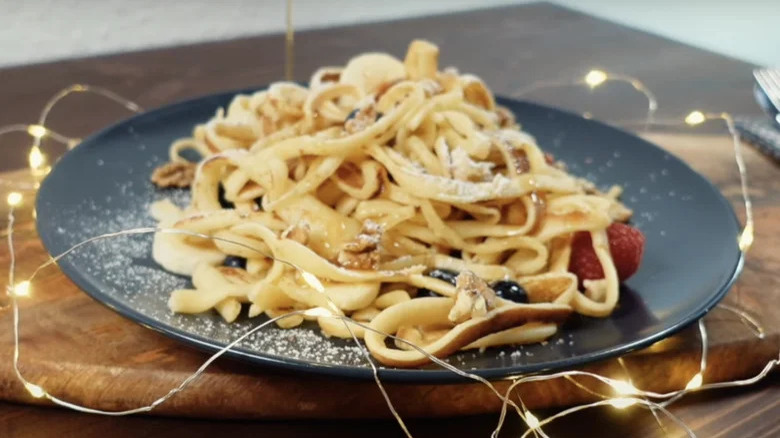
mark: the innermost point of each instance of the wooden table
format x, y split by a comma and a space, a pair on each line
510, 48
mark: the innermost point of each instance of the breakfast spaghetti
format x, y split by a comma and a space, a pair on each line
399, 195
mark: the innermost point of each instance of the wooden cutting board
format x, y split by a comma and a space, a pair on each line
83, 352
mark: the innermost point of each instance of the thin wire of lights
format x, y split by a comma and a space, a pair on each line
627, 393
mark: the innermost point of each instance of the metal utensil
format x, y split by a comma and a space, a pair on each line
767, 91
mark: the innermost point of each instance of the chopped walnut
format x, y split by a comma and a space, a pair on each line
363, 252
522, 165
174, 174
298, 233
506, 119
473, 298
363, 118
361, 261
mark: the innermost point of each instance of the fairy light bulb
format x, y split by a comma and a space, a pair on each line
624, 388
622, 402
594, 78
14, 199
531, 420
34, 390
746, 237
695, 382
37, 131
36, 158
312, 281
695, 118
22, 289
318, 312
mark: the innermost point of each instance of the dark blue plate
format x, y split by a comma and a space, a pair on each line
691, 258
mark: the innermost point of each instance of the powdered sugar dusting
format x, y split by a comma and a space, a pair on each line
126, 275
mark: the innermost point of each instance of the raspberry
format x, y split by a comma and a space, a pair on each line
626, 244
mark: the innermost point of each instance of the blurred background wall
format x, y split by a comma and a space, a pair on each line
43, 30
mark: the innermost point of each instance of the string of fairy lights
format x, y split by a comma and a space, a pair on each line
624, 393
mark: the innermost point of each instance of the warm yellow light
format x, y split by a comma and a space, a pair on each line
34, 390
531, 420
622, 402
317, 312
594, 78
695, 382
695, 118
36, 131
587, 115
36, 158
624, 388
14, 199
746, 237
22, 289
312, 281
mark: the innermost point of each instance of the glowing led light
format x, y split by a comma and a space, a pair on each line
34, 390
14, 199
531, 420
746, 238
312, 281
695, 118
622, 402
624, 388
22, 289
695, 382
36, 131
594, 78
318, 311
36, 158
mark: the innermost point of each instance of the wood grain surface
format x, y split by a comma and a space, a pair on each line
84, 352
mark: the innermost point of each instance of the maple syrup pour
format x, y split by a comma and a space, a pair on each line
289, 43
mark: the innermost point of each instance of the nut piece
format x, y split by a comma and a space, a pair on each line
299, 233
473, 298
363, 118
363, 252
506, 118
174, 174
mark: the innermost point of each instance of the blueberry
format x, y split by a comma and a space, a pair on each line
509, 290
444, 275
423, 293
439, 274
352, 114
222, 201
235, 262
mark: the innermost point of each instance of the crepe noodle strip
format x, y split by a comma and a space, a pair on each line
434, 311
376, 173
